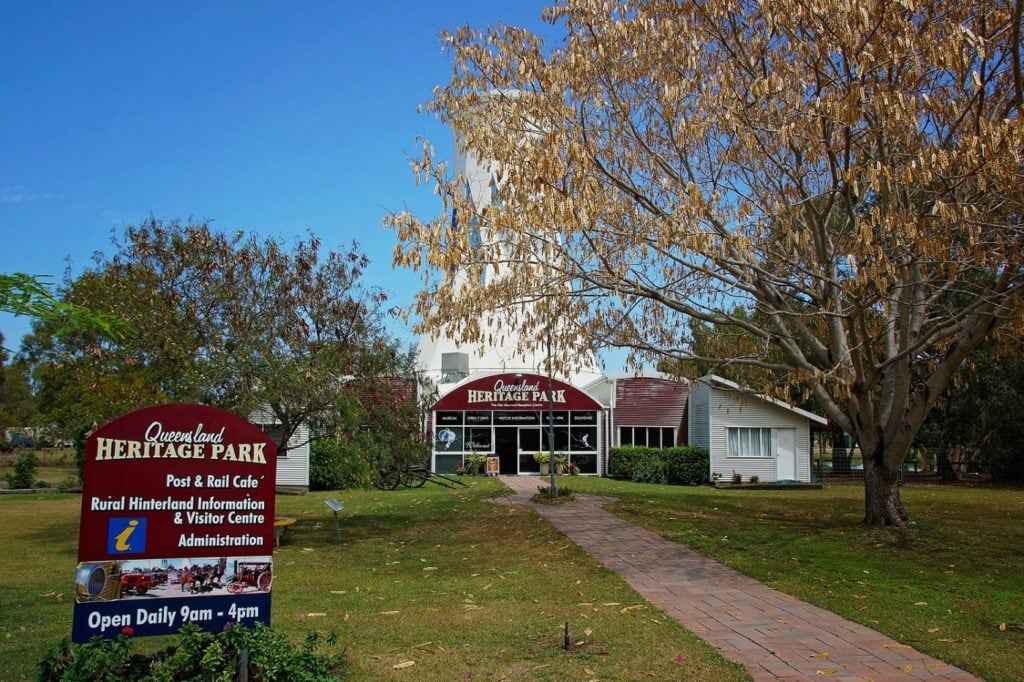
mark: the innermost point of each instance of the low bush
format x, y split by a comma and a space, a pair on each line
650, 468
336, 465
81, 435
685, 465
545, 495
622, 461
24, 473
195, 655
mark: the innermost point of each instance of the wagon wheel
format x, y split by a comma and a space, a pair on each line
264, 581
389, 478
141, 589
236, 587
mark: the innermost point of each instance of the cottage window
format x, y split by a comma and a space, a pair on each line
749, 442
275, 433
647, 436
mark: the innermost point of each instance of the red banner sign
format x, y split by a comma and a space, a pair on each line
177, 502
520, 391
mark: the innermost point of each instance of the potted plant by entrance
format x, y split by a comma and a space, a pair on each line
476, 463
543, 459
561, 463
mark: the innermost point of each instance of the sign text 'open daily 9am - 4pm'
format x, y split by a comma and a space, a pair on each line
177, 523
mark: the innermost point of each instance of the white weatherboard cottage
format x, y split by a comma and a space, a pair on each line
293, 467
750, 434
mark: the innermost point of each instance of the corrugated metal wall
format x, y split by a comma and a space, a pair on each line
647, 401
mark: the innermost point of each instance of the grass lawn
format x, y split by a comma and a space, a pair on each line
464, 588
944, 586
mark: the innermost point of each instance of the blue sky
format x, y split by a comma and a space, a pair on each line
270, 117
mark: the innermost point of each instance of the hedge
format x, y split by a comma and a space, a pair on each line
335, 465
686, 465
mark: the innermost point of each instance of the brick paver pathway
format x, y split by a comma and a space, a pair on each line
774, 635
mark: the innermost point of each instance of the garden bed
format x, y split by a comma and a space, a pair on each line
726, 485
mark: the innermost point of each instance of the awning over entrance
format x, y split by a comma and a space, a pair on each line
519, 391
513, 416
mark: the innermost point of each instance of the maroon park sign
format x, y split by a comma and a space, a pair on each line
516, 391
177, 523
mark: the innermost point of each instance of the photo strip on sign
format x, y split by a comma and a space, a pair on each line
177, 523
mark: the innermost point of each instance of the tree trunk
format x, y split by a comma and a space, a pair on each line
882, 504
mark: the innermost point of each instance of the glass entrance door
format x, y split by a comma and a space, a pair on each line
506, 447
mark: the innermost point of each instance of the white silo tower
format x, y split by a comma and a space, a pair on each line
445, 362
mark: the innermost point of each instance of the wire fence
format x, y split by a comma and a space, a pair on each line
925, 464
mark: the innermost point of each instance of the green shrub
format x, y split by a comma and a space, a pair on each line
650, 468
335, 465
81, 435
685, 465
67, 483
24, 473
545, 495
195, 655
622, 461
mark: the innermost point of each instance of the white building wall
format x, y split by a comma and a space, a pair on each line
501, 353
732, 409
293, 467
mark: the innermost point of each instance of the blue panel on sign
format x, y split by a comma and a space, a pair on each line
126, 536
141, 618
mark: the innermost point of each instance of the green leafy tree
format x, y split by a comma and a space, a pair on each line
17, 402
32, 295
979, 417
236, 321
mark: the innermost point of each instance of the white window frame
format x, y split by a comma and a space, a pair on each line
749, 442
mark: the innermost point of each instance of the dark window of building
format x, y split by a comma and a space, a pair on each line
561, 439
647, 436
529, 440
478, 439
448, 439
583, 439
275, 432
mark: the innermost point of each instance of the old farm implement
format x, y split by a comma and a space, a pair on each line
412, 476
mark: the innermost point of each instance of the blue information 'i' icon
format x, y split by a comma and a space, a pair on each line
126, 536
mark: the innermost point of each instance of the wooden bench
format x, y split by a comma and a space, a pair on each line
335, 507
281, 525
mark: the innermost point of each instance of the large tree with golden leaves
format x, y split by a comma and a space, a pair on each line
850, 171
